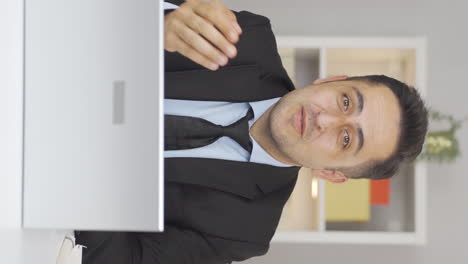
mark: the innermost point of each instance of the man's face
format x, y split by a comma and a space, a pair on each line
336, 124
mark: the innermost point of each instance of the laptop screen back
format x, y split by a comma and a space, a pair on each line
93, 145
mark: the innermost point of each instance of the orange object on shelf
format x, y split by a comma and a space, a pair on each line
380, 192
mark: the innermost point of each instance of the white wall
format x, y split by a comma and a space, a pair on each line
16, 246
10, 133
10, 112
444, 23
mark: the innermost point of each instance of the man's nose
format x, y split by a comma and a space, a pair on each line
326, 120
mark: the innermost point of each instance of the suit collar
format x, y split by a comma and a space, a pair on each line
246, 179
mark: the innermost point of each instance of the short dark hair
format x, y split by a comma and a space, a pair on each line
413, 129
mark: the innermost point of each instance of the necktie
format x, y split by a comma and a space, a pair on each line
186, 132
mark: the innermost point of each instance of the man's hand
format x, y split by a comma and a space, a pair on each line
203, 32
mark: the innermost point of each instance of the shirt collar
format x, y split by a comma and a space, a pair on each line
259, 155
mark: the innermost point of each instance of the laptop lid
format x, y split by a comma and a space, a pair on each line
93, 115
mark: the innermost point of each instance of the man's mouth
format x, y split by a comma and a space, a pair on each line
300, 121
304, 121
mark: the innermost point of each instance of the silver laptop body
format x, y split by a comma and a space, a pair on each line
93, 115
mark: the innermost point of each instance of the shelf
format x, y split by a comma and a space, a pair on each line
302, 210
398, 216
336, 237
403, 221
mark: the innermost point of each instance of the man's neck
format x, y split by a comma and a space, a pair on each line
261, 132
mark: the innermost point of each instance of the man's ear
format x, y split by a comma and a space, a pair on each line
330, 79
331, 175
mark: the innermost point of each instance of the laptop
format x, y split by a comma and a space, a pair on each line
93, 115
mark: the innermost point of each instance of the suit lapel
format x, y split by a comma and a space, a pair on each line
246, 179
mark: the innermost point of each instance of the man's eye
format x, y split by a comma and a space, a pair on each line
345, 102
346, 140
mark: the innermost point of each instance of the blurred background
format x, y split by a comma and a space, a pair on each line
447, 63
440, 22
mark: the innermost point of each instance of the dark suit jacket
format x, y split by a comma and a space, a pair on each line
216, 211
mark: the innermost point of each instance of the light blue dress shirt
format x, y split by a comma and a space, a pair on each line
168, 6
222, 113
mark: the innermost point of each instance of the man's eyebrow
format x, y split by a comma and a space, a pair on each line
360, 99
360, 139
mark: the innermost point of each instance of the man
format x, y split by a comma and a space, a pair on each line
223, 200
